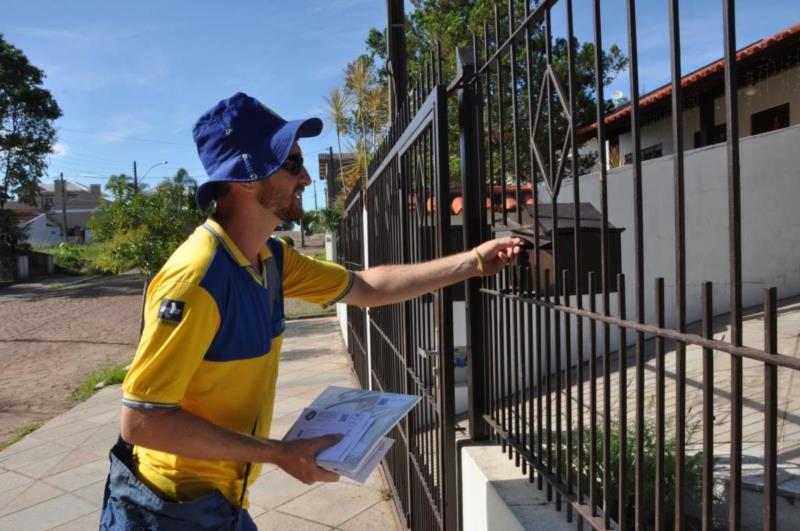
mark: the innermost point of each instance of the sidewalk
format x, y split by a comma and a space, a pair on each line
54, 478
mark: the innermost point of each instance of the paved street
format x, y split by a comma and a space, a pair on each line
52, 337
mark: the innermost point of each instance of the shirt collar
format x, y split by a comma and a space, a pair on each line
231, 247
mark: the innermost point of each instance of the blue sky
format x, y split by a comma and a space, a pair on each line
132, 77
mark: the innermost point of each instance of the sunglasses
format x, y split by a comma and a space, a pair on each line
293, 163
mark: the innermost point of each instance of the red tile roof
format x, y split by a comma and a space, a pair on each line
697, 75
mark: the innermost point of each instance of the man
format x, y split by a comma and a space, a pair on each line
198, 398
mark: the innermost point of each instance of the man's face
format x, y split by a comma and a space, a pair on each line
283, 192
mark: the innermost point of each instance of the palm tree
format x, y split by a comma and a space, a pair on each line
358, 79
338, 107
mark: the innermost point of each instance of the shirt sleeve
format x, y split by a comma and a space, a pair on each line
314, 281
181, 320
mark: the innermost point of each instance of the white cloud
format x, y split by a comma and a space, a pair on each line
59, 149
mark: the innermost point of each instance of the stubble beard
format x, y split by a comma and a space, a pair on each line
284, 208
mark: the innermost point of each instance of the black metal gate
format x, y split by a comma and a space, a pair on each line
408, 220
350, 253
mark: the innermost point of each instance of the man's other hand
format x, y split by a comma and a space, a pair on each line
298, 458
495, 254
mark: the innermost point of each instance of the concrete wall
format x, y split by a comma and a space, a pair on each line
770, 221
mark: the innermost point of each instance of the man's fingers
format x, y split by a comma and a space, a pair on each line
326, 475
320, 443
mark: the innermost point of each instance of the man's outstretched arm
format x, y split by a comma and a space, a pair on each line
388, 284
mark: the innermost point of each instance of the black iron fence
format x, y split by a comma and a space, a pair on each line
350, 253
551, 376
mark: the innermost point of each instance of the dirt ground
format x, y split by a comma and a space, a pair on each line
51, 339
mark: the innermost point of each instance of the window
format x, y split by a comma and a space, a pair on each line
770, 119
652, 152
718, 134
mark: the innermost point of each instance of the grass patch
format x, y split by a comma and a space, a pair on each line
55, 285
295, 309
74, 258
107, 376
20, 434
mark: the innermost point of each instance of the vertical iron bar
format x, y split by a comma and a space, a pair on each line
592, 397
622, 428
601, 142
473, 204
516, 353
708, 409
578, 251
735, 261
514, 109
639, 256
568, 385
660, 407
770, 410
501, 140
548, 384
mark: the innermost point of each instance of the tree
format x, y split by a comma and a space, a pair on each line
338, 107
141, 230
27, 111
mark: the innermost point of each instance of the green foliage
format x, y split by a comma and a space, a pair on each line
20, 434
12, 237
692, 471
322, 220
27, 111
288, 240
69, 256
108, 376
141, 230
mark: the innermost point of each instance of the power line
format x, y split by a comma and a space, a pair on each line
125, 137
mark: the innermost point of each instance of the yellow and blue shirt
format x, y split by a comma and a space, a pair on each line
211, 345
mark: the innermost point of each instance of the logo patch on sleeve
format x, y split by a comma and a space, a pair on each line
170, 311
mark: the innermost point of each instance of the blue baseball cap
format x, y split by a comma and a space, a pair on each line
242, 140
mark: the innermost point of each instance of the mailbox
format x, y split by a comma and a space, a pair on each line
562, 242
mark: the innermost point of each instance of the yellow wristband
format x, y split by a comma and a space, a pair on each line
480, 260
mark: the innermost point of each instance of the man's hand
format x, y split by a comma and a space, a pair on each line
298, 458
495, 255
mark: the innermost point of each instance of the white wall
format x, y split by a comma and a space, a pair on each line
770, 221
43, 234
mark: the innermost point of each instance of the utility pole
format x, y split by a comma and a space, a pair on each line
315, 196
396, 44
64, 205
331, 176
135, 179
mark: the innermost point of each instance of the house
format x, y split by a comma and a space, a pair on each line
769, 99
56, 203
72, 201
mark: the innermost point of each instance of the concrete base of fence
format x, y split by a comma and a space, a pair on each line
495, 495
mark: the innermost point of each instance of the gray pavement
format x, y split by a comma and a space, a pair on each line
54, 478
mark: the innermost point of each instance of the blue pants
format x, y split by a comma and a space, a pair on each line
131, 505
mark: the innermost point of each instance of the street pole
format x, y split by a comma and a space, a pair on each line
396, 44
135, 179
64, 206
315, 196
331, 176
